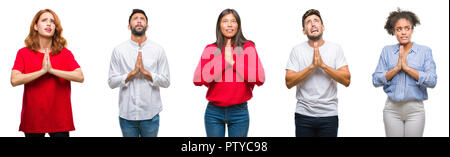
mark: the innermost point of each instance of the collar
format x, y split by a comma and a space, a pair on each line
135, 44
414, 48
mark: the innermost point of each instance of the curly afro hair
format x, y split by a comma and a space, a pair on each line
397, 15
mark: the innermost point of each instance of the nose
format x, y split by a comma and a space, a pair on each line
403, 31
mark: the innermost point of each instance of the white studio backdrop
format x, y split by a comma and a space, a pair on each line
184, 28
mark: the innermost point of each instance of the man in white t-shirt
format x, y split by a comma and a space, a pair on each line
314, 67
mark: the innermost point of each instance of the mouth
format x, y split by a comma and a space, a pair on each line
314, 30
404, 38
48, 30
229, 31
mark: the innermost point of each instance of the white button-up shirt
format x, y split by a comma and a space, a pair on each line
139, 98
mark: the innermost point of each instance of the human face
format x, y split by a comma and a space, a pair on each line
138, 24
403, 31
45, 26
313, 27
228, 26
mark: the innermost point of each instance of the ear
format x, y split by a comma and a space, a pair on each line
304, 31
129, 27
35, 27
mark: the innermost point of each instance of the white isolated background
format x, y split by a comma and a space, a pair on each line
184, 28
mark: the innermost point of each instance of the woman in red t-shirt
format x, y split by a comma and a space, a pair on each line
46, 68
230, 68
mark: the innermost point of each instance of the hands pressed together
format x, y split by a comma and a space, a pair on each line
139, 68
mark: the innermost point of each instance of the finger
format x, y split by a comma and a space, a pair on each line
228, 43
402, 50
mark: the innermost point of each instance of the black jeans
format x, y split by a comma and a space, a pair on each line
306, 126
55, 134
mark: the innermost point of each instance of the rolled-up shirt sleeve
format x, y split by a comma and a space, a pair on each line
428, 77
379, 76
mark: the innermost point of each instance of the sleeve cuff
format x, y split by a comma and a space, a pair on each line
383, 79
421, 78
154, 77
122, 81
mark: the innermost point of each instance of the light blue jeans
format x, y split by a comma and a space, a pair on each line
140, 128
236, 117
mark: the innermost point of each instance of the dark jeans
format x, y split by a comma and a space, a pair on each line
306, 126
55, 134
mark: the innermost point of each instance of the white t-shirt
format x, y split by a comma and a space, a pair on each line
316, 95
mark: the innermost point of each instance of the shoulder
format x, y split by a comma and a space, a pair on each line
332, 45
211, 46
302, 47
390, 48
422, 48
249, 44
66, 51
122, 46
155, 45
24, 50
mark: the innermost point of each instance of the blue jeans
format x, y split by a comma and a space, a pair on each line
140, 128
306, 126
236, 117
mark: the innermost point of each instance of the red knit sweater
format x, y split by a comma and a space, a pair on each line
229, 85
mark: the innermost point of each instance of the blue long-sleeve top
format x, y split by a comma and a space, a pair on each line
403, 87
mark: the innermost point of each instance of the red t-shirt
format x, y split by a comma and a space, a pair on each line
228, 85
46, 105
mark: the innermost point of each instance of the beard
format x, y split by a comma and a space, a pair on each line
135, 32
314, 38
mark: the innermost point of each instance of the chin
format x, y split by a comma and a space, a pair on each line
405, 42
47, 35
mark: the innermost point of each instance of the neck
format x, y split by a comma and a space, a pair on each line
407, 46
139, 39
320, 42
44, 43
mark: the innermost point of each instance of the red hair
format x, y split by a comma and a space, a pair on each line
58, 42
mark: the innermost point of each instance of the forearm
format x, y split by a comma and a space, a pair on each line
147, 75
412, 72
294, 78
18, 78
75, 75
391, 73
341, 76
131, 75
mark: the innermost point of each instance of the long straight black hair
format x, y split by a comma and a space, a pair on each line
238, 40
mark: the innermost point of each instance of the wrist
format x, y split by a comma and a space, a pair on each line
50, 70
397, 69
406, 68
311, 67
323, 66
133, 73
